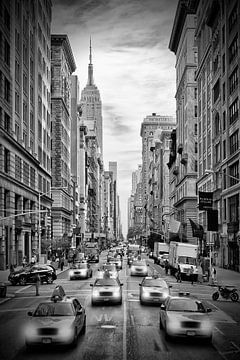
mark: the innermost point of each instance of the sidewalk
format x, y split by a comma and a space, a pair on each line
12, 290
228, 277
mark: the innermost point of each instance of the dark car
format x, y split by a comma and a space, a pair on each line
57, 321
29, 274
153, 290
107, 289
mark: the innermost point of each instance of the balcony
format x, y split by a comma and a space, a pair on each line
184, 159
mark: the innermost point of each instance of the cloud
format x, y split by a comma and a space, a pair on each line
132, 66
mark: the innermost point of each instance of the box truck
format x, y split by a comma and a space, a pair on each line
159, 249
184, 255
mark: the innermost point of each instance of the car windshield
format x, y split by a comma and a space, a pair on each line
155, 283
54, 309
139, 263
106, 282
185, 305
79, 266
110, 267
186, 260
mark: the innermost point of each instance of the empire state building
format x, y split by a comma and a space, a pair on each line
92, 106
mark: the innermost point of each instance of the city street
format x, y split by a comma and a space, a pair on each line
129, 331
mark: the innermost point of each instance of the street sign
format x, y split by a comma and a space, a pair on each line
205, 200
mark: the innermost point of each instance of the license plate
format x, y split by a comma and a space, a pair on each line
46, 340
191, 333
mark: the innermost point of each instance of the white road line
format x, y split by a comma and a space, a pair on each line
124, 331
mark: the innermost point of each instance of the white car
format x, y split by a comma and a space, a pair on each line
183, 316
139, 268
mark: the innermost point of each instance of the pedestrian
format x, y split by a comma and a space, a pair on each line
33, 260
24, 261
38, 280
213, 274
191, 274
200, 274
62, 263
166, 265
179, 277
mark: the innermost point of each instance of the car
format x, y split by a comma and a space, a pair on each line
139, 268
153, 290
183, 316
109, 268
107, 289
28, 274
80, 270
58, 320
117, 260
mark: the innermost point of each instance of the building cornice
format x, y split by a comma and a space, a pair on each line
62, 40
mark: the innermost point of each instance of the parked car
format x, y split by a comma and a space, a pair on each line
80, 270
183, 316
29, 274
153, 290
58, 320
107, 289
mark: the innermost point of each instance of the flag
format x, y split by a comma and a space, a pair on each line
197, 229
174, 226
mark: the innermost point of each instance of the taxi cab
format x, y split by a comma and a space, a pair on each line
183, 316
110, 268
80, 270
57, 321
153, 290
107, 289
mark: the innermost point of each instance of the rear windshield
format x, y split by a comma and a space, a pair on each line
186, 305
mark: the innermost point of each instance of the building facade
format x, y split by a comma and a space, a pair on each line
62, 66
218, 40
184, 165
25, 129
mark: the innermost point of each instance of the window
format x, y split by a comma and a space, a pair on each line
232, 18
32, 178
6, 90
217, 153
224, 149
6, 52
223, 34
233, 80
6, 19
17, 71
233, 204
31, 121
234, 173
195, 111
24, 112
195, 129
6, 122
216, 91
233, 49
217, 124
25, 173
24, 82
233, 143
223, 64
233, 112
18, 168
224, 120
224, 92
6, 160
39, 130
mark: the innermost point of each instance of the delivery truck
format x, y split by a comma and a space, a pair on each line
159, 249
185, 255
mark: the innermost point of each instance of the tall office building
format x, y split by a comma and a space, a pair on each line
92, 105
25, 131
62, 65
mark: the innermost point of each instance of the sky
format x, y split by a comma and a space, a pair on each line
133, 69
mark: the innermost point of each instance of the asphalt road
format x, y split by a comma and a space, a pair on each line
128, 332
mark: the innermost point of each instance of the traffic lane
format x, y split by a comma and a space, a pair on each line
148, 341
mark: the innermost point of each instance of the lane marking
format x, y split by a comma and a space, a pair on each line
124, 330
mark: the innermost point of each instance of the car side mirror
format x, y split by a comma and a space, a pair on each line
209, 310
163, 307
121, 284
140, 284
170, 286
91, 284
30, 313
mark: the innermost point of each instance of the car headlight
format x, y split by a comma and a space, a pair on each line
71, 273
95, 292
66, 332
145, 293
173, 324
30, 331
116, 292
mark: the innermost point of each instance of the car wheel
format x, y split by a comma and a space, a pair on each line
22, 280
93, 303
84, 326
74, 342
49, 279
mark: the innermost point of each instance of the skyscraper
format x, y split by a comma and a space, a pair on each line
92, 106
